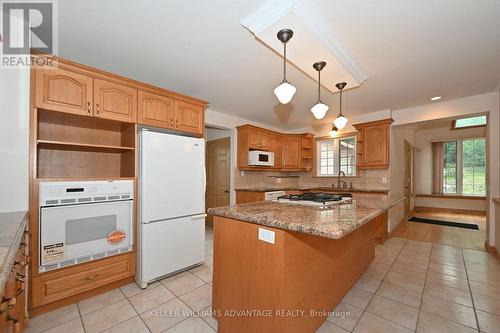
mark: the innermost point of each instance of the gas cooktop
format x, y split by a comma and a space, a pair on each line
319, 199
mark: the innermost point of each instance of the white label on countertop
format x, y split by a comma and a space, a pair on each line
266, 235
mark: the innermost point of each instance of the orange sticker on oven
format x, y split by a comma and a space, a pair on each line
116, 237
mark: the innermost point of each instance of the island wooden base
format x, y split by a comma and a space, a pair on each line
264, 287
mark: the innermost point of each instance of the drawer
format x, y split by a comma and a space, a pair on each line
59, 285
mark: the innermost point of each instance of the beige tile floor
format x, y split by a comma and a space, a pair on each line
411, 286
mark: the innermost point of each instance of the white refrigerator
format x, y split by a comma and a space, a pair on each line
171, 204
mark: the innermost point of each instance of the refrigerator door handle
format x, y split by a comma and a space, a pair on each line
200, 216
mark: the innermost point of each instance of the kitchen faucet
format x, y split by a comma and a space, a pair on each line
344, 184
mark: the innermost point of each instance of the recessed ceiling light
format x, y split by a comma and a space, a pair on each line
436, 98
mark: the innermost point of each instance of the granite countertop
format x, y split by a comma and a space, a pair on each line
335, 222
318, 189
12, 227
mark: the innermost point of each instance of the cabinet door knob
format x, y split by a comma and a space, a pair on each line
171, 122
177, 123
97, 108
88, 108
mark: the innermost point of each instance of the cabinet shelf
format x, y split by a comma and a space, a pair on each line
49, 144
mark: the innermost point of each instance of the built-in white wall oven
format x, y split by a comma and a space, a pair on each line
84, 221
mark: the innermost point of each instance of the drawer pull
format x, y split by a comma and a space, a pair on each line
89, 278
88, 108
97, 108
10, 302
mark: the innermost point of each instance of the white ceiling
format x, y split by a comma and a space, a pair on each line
410, 50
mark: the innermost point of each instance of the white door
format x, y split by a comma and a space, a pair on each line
172, 245
172, 176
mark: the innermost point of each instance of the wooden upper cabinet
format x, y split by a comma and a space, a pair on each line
189, 117
373, 144
258, 140
166, 112
115, 101
64, 91
291, 152
155, 110
275, 145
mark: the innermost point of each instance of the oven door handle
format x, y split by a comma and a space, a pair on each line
200, 216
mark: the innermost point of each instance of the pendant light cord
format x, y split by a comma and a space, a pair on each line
319, 86
341, 104
284, 63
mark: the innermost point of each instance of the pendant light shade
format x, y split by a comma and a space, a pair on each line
319, 110
333, 132
285, 91
340, 121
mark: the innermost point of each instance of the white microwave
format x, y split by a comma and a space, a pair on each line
261, 158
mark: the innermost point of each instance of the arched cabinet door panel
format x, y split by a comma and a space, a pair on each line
64, 91
189, 117
115, 101
156, 110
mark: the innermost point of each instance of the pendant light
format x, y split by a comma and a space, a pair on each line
340, 121
319, 110
285, 90
333, 132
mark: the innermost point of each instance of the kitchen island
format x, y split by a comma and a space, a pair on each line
284, 267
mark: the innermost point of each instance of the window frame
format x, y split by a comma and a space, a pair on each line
336, 150
460, 166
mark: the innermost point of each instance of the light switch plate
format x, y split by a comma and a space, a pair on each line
266, 235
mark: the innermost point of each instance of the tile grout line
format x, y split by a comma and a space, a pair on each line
425, 282
371, 299
470, 292
81, 317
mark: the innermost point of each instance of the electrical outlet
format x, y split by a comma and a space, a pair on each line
266, 235
242, 173
384, 180
278, 180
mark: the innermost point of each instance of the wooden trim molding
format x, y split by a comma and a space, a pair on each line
451, 196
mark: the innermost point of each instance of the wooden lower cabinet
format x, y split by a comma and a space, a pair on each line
59, 285
245, 197
13, 295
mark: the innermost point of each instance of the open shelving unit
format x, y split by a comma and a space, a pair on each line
78, 147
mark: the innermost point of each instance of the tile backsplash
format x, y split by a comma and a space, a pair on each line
366, 179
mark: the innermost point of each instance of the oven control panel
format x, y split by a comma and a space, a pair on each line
67, 193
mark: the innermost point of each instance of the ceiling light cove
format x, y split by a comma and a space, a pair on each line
436, 98
314, 39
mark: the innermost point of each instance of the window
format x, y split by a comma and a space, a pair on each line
469, 122
464, 167
334, 155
